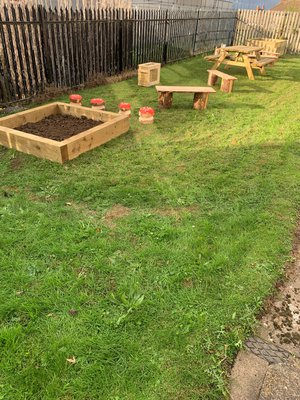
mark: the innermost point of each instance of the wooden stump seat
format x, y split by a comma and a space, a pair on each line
227, 80
165, 95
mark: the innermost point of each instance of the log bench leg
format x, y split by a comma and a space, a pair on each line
200, 101
227, 85
212, 79
165, 99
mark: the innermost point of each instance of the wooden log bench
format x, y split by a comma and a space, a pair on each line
227, 80
165, 95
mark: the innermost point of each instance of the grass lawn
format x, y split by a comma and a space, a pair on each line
148, 258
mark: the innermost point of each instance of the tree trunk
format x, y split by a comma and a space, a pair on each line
227, 85
200, 101
165, 99
212, 79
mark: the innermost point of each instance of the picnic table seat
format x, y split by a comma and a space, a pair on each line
266, 54
264, 61
165, 95
270, 54
215, 57
227, 80
212, 57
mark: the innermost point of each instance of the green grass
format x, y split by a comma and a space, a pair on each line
166, 294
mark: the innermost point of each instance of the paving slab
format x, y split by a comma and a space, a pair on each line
247, 376
281, 382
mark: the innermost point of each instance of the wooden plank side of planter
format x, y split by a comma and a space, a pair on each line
96, 136
79, 111
33, 115
114, 125
31, 144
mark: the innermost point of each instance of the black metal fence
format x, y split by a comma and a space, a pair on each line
67, 48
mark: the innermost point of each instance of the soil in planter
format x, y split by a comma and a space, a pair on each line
59, 127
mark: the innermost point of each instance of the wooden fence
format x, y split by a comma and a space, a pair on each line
253, 24
67, 48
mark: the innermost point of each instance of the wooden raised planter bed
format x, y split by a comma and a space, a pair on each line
112, 125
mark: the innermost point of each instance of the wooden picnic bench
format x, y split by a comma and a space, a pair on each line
165, 95
263, 53
248, 57
227, 80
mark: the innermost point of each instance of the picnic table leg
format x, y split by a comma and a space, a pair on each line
165, 99
257, 55
200, 101
248, 67
220, 60
263, 70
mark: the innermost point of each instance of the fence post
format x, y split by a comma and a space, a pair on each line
120, 60
234, 31
4, 95
46, 57
165, 40
196, 32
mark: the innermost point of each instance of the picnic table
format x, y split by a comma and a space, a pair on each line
248, 57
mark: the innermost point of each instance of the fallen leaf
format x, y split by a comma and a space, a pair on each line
71, 360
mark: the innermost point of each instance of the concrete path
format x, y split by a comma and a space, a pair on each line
269, 367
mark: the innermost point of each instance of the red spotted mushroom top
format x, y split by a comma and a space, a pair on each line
75, 97
147, 110
124, 106
97, 102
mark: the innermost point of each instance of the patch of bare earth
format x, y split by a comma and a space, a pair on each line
188, 283
16, 163
177, 212
114, 213
81, 208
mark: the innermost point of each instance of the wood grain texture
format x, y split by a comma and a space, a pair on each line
165, 99
221, 74
200, 101
185, 89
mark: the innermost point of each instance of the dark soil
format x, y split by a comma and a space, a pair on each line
59, 127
